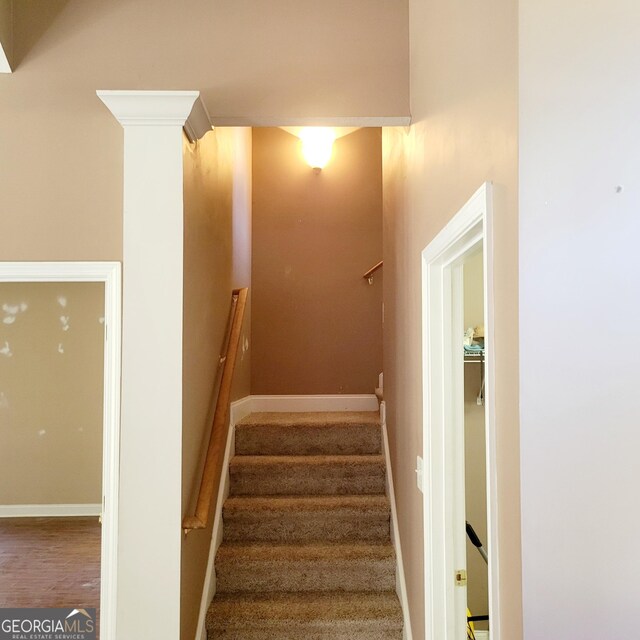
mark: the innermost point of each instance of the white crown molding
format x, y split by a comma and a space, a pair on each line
149, 108
198, 123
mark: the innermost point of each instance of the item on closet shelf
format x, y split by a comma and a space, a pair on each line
474, 348
478, 332
468, 337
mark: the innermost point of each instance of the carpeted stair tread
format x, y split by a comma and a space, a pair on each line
306, 615
298, 519
310, 551
342, 474
342, 632
307, 503
314, 461
318, 418
309, 433
310, 567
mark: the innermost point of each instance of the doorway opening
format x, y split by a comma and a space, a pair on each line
475, 459
450, 502
59, 413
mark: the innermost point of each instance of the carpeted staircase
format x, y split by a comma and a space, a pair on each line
306, 553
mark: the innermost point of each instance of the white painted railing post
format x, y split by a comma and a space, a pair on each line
151, 437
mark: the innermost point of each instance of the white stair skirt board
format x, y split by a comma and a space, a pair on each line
49, 510
401, 584
239, 409
357, 402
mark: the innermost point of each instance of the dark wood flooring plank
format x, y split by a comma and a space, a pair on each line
50, 562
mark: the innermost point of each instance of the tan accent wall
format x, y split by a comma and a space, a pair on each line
51, 392
217, 258
61, 151
464, 105
316, 323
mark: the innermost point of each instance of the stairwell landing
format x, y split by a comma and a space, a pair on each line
306, 551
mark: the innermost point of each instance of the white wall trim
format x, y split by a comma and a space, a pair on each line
5, 67
6, 35
469, 227
59, 271
317, 121
110, 274
149, 108
160, 108
198, 122
239, 410
401, 583
49, 510
300, 403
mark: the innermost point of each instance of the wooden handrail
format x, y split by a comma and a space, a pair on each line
219, 429
369, 274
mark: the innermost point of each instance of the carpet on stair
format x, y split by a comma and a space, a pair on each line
324, 433
299, 519
296, 616
291, 475
306, 549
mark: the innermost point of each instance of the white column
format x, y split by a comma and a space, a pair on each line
151, 439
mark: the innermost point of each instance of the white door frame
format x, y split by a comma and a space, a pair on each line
445, 546
110, 274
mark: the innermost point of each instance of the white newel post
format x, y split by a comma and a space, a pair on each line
151, 438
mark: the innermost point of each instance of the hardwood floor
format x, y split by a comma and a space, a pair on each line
50, 562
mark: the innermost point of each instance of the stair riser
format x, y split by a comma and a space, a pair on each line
285, 440
291, 527
320, 575
307, 480
333, 633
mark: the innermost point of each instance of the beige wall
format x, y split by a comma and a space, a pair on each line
464, 108
51, 392
217, 218
579, 304
475, 443
61, 151
316, 322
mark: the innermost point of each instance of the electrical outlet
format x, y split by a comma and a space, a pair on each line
420, 473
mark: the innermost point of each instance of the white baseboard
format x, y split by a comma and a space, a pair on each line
239, 409
49, 510
357, 402
401, 584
